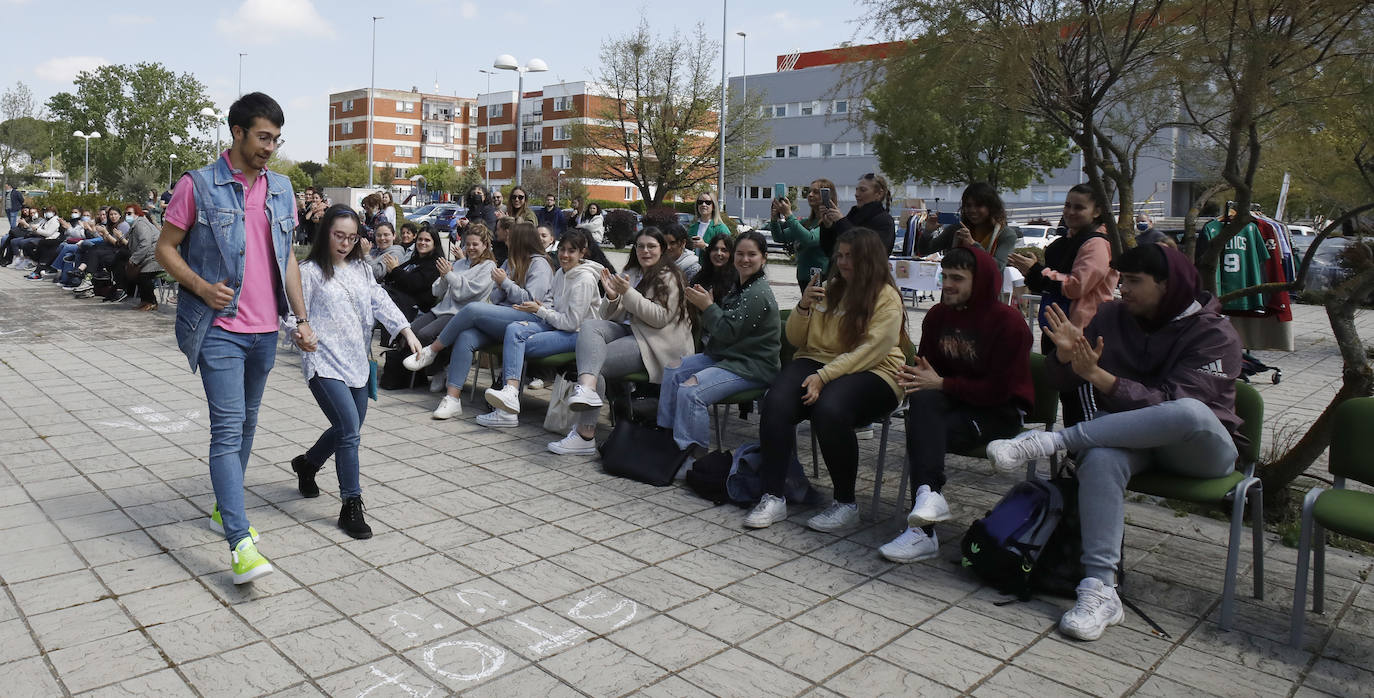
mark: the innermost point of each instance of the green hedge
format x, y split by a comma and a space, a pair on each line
636, 206
64, 202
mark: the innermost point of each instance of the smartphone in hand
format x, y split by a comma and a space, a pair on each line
816, 276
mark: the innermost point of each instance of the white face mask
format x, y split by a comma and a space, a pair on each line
48, 214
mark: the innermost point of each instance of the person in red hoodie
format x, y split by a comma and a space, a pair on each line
971, 384
1159, 370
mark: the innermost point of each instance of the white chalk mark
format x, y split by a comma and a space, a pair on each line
462, 596
148, 419
492, 659
9, 332
394, 681
579, 611
552, 642
409, 633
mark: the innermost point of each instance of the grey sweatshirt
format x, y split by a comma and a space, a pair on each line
538, 284
465, 284
575, 297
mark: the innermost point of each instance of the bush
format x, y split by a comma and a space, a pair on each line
1035, 252
636, 206
660, 217
65, 201
620, 228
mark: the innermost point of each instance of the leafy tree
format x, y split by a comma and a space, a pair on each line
20, 132
657, 128
293, 171
311, 168
936, 127
467, 178
439, 176
347, 167
143, 112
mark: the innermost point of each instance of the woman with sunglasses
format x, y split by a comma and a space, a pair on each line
520, 207
707, 226
343, 302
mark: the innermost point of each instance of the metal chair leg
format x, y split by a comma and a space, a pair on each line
1228, 592
1256, 495
1318, 568
882, 461
1298, 617
720, 427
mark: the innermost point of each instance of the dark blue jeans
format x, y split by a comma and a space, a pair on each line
345, 408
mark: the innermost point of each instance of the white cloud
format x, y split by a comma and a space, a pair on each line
265, 21
65, 68
468, 10
133, 20
789, 22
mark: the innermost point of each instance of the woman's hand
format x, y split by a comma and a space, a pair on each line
784, 208
812, 385
305, 338
963, 237
1022, 262
443, 265
699, 297
366, 245
1063, 333
498, 275
830, 216
812, 296
620, 284
530, 307
389, 261
412, 341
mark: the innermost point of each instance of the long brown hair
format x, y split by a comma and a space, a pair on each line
871, 273
816, 184
523, 243
484, 235
657, 279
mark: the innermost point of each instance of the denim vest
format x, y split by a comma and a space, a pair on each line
214, 247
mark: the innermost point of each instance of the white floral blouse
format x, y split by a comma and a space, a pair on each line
342, 311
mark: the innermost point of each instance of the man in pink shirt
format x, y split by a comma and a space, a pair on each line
226, 239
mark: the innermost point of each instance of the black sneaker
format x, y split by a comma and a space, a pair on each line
305, 476
351, 519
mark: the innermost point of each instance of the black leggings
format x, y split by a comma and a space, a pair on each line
844, 403
937, 424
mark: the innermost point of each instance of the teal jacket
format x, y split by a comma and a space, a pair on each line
744, 331
712, 231
807, 243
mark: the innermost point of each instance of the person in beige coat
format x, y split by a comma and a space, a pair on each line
644, 325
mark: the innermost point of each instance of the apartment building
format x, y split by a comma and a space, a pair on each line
408, 128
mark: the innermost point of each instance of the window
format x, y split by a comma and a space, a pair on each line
840, 106
400, 173
841, 150
404, 151
493, 164
563, 162
405, 106
495, 111
348, 105
562, 133
528, 162
346, 127
792, 151
779, 152
856, 150
494, 138
562, 103
808, 108
779, 110
753, 192
405, 129
629, 193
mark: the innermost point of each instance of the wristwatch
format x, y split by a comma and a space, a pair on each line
301, 321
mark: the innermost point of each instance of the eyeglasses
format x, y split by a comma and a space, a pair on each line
128, 213
342, 237
517, 196
266, 139
708, 202
646, 246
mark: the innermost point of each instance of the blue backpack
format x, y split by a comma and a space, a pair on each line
1002, 548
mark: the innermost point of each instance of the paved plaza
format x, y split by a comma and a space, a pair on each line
501, 569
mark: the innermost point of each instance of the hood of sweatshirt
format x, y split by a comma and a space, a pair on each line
987, 284
1183, 288
585, 269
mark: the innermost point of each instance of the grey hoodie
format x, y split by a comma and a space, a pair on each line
576, 297
538, 283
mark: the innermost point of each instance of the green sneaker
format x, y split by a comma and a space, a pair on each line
217, 525
249, 564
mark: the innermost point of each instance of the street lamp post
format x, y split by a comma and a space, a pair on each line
86, 180
170, 158
506, 61
558, 188
241, 55
486, 130
720, 170
219, 118
372, 101
744, 100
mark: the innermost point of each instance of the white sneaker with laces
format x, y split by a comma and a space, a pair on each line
912, 546
767, 512
1011, 454
837, 516
1098, 607
438, 382
583, 400
507, 399
535, 384
930, 508
415, 362
448, 408
498, 418
573, 445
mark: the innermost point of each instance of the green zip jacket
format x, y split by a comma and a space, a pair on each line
807, 242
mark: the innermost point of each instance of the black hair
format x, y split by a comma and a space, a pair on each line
577, 238
1086, 189
675, 231
986, 195
760, 242
959, 258
320, 253
254, 105
1144, 259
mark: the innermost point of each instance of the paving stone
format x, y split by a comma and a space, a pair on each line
201, 635
248, 671
1014, 681
123, 656
667, 642
325, 649
801, 651
736, 673
874, 677
939, 659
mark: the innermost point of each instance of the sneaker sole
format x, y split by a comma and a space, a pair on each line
760, 524
1068, 632
823, 528
583, 406
901, 559
916, 521
562, 451
502, 425
498, 404
259, 571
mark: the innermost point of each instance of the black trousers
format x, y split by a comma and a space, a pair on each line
937, 424
844, 403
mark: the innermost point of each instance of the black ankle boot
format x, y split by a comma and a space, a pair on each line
351, 518
305, 475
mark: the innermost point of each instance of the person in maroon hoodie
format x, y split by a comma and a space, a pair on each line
971, 384
1159, 370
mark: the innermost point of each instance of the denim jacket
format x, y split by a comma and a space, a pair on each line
214, 247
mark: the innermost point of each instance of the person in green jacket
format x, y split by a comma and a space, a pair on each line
744, 333
983, 224
805, 235
707, 226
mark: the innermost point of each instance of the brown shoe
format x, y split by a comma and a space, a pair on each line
148, 306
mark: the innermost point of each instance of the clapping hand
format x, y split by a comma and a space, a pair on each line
366, 245
921, 376
1022, 262
389, 261
498, 275
1084, 357
1063, 333
528, 307
443, 265
616, 285
699, 297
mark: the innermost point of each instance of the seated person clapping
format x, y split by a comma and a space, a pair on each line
844, 374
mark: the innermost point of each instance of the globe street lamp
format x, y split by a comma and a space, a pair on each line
170, 158
219, 118
506, 61
86, 183
558, 188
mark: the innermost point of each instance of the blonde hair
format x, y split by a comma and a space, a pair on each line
715, 208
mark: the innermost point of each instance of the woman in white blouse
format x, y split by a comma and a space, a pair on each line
343, 302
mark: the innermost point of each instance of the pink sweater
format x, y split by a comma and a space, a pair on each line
1090, 282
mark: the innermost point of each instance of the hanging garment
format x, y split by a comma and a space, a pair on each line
1241, 264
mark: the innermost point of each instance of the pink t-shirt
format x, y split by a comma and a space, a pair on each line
257, 311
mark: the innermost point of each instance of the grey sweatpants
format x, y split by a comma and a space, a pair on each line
1181, 436
606, 349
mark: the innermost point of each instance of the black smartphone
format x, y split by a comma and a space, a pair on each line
825, 197
816, 276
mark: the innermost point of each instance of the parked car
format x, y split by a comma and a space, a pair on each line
1327, 271
1037, 236
423, 214
446, 217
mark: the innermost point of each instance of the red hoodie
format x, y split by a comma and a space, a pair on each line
982, 350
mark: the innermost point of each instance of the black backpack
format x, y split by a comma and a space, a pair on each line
1003, 547
708, 475
1059, 568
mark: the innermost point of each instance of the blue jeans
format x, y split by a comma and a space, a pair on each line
532, 339
233, 369
13, 216
345, 408
473, 327
66, 268
684, 408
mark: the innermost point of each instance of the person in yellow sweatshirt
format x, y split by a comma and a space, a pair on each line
844, 374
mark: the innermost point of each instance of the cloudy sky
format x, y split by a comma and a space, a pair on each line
299, 51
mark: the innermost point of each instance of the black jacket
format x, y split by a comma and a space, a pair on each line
871, 215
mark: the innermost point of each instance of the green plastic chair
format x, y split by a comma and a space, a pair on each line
1341, 510
1241, 485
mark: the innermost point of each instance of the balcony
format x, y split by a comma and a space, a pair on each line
532, 147
535, 118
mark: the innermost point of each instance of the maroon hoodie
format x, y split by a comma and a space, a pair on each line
982, 350
1188, 349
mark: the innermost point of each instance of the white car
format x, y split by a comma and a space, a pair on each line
1037, 236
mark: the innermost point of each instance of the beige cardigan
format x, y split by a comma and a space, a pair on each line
662, 338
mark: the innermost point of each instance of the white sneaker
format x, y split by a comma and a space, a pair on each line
448, 408
535, 384
85, 285
438, 382
864, 433
1011, 454
507, 399
497, 418
1098, 607
415, 362
835, 517
583, 400
912, 546
767, 512
930, 508
573, 445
